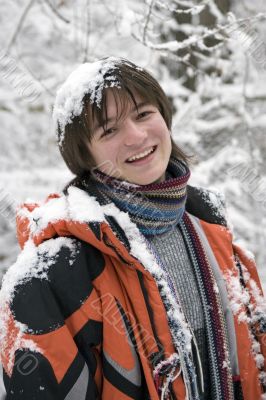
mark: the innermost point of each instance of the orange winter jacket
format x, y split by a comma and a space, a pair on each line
82, 315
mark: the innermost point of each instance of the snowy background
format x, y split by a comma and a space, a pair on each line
210, 57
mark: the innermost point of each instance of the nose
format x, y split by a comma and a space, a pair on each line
134, 133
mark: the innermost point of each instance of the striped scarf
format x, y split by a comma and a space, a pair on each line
156, 207
219, 362
220, 374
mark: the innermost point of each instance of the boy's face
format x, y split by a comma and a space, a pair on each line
136, 147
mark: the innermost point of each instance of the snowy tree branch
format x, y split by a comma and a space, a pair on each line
184, 3
193, 9
197, 41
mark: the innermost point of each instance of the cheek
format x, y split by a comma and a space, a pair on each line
165, 136
105, 153
166, 143
97, 153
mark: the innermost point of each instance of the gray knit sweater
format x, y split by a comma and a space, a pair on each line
173, 254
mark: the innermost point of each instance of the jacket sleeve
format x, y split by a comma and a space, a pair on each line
51, 331
255, 302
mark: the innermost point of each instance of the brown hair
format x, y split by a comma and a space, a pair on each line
129, 79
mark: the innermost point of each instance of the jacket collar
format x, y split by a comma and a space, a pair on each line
60, 213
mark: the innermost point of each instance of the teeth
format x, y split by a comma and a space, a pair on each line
141, 155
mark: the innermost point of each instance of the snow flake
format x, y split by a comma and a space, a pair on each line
216, 200
226, 364
215, 288
238, 296
262, 377
259, 360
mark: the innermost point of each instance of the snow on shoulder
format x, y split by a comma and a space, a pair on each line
88, 78
34, 262
77, 206
216, 201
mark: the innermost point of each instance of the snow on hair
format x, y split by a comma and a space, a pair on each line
88, 78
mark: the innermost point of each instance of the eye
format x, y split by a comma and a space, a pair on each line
143, 114
108, 131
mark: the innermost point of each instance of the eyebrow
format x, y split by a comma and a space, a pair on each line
134, 108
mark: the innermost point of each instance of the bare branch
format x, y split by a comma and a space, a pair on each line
19, 25
245, 114
88, 30
56, 12
147, 21
31, 73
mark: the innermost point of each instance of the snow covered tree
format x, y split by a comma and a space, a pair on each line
212, 65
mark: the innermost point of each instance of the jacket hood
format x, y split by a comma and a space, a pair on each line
61, 215
79, 215
41, 221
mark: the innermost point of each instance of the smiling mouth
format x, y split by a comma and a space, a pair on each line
141, 156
